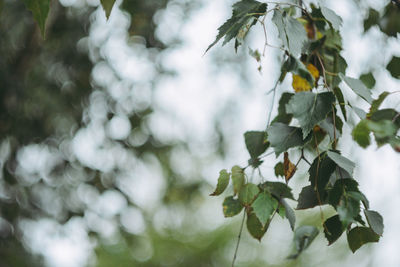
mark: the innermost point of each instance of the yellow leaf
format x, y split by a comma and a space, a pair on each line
300, 84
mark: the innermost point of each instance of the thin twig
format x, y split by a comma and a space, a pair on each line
272, 102
239, 237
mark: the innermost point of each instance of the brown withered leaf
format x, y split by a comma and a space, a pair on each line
288, 167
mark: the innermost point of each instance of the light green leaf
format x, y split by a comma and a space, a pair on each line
310, 109
342, 162
303, 237
358, 87
248, 193
291, 32
107, 6
231, 206
237, 178
40, 10
377, 103
348, 209
360, 113
254, 226
263, 207
256, 143
223, 181
282, 137
394, 67
244, 14
359, 236
332, 17
289, 213
375, 221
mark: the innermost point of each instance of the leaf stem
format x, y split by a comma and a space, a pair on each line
238, 240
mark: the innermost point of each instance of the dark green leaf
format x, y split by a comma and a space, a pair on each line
263, 207
339, 95
310, 109
386, 114
361, 133
255, 228
375, 221
340, 186
359, 236
283, 116
248, 193
394, 67
320, 172
291, 32
279, 171
307, 198
358, 87
107, 6
282, 137
303, 237
278, 189
332, 17
342, 162
240, 22
256, 143
377, 103
40, 10
368, 79
333, 229
231, 206
372, 19
223, 181
297, 67
289, 213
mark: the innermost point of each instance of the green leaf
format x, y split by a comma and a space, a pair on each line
332, 17
386, 114
240, 22
339, 95
254, 226
283, 116
382, 130
279, 170
341, 161
291, 32
368, 79
340, 186
107, 6
307, 198
297, 67
256, 143
372, 19
320, 172
248, 193
40, 10
361, 133
263, 207
348, 209
377, 103
282, 137
303, 237
375, 221
310, 109
231, 206
358, 87
289, 213
278, 189
223, 181
360, 113
333, 229
237, 178
394, 67
359, 236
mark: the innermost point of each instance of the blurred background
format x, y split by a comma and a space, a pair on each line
112, 134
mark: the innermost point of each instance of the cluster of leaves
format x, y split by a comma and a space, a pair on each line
308, 121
